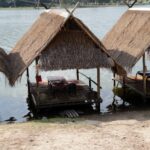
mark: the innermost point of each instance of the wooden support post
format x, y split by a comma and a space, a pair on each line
37, 69
114, 75
37, 73
28, 84
90, 86
114, 86
98, 82
124, 89
144, 75
98, 90
36, 63
77, 73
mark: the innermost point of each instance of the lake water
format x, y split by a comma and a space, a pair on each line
14, 23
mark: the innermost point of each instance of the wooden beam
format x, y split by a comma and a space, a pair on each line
144, 75
77, 73
98, 82
72, 11
130, 3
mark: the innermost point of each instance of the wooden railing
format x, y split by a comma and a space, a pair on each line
90, 81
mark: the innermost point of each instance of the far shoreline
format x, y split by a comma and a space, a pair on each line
71, 6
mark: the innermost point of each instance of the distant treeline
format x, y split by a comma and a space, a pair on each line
34, 3
18, 3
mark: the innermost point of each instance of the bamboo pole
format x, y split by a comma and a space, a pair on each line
37, 73
28, 84
98, 88
144, 74
114, 85
98, 82
77, 73
37, 69
114, 75
124, 89
90, 85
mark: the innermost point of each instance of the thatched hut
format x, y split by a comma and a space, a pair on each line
58, 40
63, 42
129, 39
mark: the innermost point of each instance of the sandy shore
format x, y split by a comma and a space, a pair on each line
119, 131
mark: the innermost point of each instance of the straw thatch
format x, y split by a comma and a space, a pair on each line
128, 40
4, 63
62, 42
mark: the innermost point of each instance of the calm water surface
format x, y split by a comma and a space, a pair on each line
14, 23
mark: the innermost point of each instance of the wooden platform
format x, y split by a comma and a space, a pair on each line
43, 98
136, 84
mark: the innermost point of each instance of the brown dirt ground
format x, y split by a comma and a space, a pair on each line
119, 131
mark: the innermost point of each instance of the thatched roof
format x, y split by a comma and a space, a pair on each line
128, 40
4, 63
63, 42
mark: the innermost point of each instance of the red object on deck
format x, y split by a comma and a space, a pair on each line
38, 78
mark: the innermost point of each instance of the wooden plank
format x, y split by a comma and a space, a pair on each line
47, 99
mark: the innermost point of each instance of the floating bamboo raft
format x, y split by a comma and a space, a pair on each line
136, 83
43, 98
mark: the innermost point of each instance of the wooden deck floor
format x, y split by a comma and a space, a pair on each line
136, 85
44, 98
